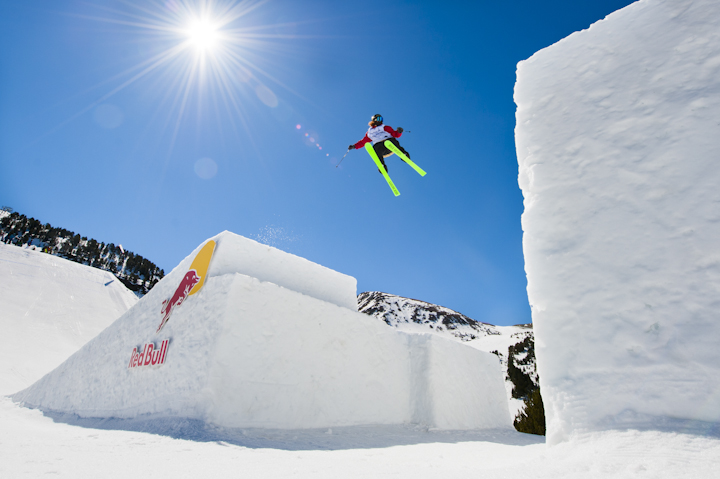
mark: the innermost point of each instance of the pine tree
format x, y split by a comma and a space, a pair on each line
531, 419
18, 229
522, 383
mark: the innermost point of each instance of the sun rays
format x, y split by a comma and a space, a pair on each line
207, 55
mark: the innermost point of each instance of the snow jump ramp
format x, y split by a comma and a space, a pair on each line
270, 341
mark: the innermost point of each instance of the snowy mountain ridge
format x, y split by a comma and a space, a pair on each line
397, 311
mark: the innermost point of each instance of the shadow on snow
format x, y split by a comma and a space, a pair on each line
336, 438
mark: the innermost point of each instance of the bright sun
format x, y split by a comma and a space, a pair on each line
202, 34
202, 45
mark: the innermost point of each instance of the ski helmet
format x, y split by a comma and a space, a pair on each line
377, 118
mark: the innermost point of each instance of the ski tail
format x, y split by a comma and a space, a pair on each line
407, 160
380, 166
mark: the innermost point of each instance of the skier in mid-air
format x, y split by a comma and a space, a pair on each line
378, 134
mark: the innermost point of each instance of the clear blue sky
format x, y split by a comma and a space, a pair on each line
100, 137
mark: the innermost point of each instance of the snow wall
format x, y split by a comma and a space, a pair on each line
49, 308
248, 352
619, 151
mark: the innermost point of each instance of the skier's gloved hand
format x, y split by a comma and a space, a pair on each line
351, 147
400, 130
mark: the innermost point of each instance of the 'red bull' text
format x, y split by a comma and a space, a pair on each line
150, 356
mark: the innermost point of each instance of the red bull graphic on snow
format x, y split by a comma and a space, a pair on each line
191, 283
150, 355
181, 293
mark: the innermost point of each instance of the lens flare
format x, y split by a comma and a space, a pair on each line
206, 168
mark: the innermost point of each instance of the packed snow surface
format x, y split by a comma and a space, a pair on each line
33, 443
250, 353
618, 147
49, 308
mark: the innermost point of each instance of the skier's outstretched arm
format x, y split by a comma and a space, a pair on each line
395, 134
360, 143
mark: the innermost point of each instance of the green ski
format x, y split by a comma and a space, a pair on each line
399, 153
380, 166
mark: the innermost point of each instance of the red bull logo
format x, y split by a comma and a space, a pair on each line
191, 283
188, 282
150, 356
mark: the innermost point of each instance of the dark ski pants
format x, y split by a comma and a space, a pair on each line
381, 150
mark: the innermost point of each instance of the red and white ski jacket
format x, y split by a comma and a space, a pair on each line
379, 133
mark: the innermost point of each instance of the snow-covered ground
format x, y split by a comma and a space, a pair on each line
33, 444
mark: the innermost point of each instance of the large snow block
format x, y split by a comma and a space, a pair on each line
242, 255
619, 153
244, 352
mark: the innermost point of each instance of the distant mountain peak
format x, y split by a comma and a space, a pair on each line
398, 310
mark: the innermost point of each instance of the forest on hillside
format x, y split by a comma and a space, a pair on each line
136, 272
